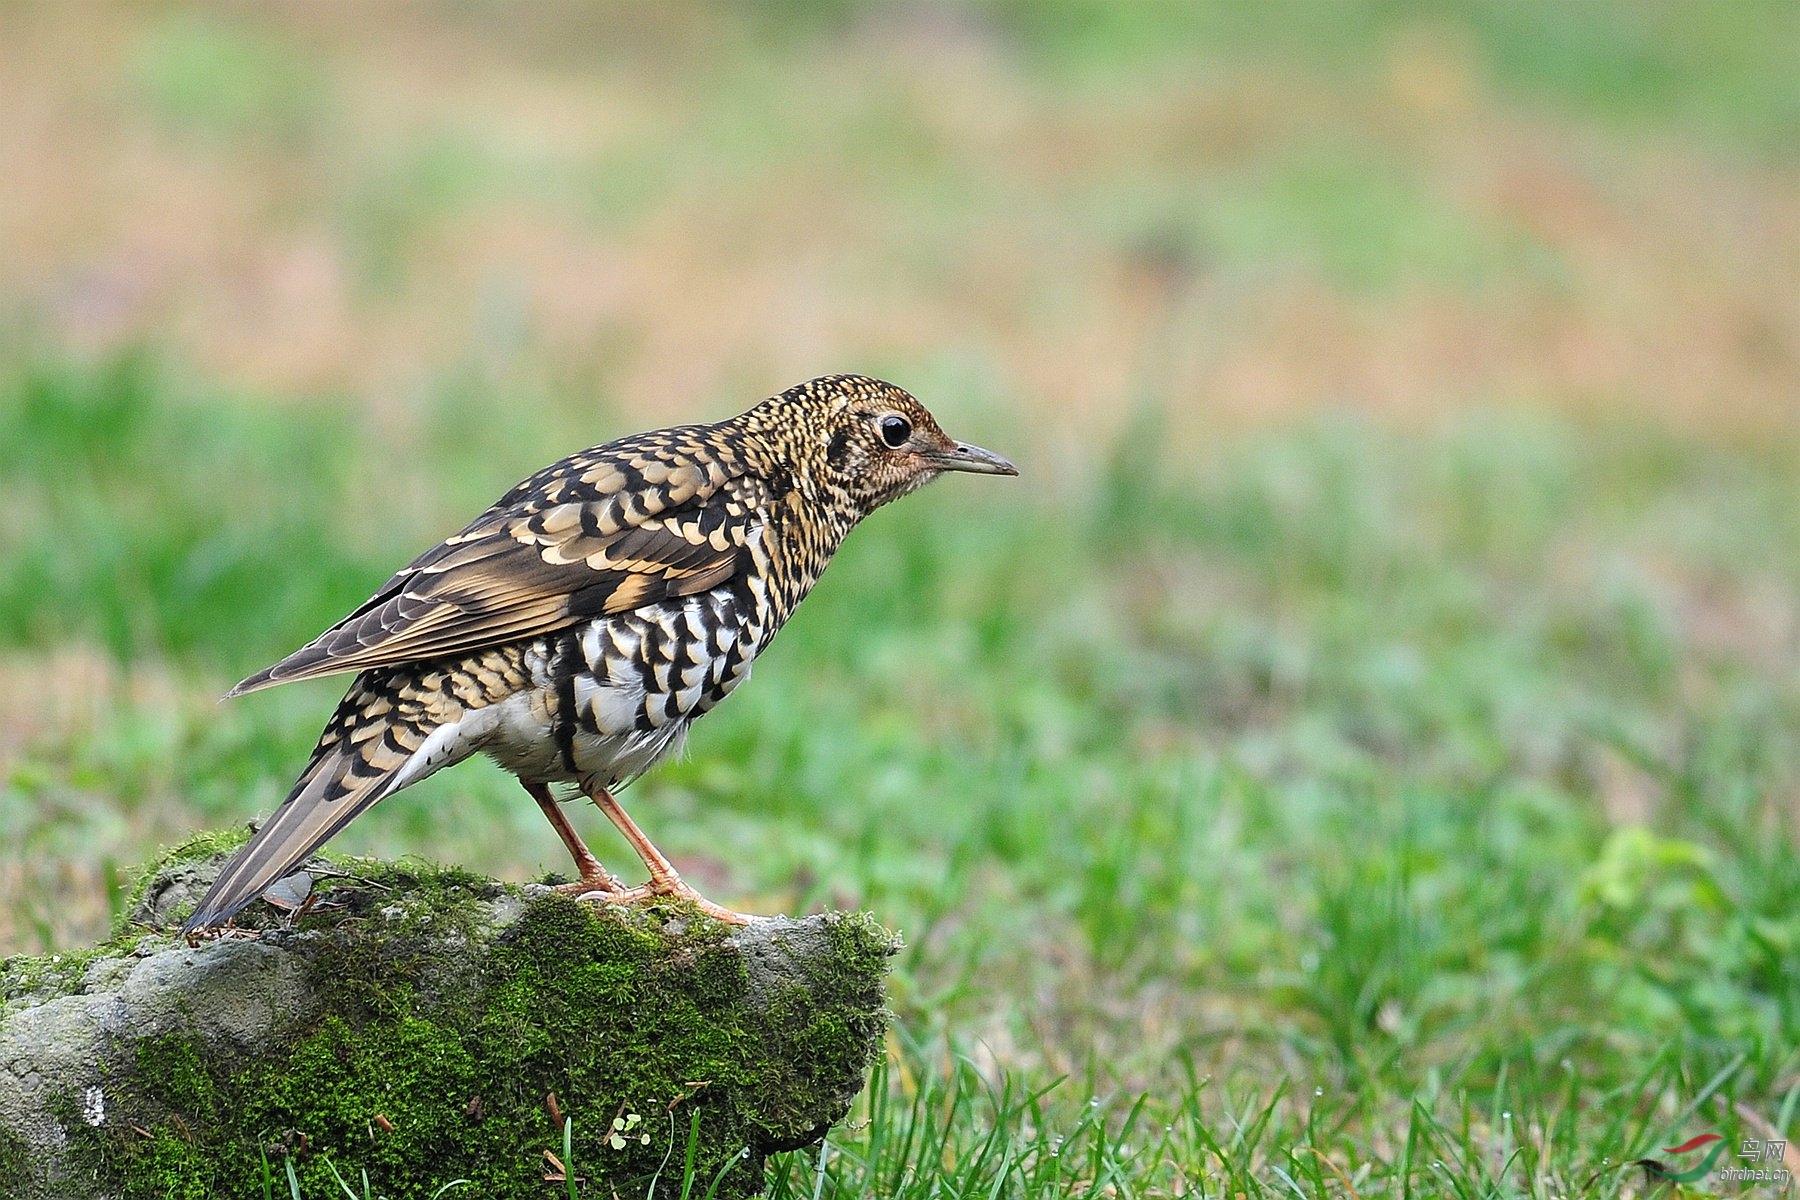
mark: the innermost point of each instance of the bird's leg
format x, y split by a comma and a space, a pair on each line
594, 877
664, 879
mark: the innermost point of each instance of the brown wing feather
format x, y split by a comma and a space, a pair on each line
605, 531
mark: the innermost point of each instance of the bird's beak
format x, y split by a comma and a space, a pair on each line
973, 459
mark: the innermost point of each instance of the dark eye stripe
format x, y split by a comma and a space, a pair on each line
840, 443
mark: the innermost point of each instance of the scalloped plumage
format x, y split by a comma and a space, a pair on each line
575, 629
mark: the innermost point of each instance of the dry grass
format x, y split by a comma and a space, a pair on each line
663, 209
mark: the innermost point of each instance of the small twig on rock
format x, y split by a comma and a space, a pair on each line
557, 1172
693, 1086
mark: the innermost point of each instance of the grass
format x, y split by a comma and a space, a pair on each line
1344, 810
1357, 758
366, 1193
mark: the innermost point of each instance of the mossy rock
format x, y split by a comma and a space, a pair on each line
412, 1025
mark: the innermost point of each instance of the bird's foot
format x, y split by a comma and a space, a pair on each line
717, 912
671, 889
596, 884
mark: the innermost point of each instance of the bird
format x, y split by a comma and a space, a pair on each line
575, 630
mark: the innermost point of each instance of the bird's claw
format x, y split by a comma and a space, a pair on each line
604, 886
675, 889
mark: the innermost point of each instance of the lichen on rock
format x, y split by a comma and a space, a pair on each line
413, 1025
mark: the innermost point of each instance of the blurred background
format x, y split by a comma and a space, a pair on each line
1385, 664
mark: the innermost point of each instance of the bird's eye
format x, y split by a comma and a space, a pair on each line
895, 431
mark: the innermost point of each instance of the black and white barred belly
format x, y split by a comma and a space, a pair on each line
604, 700
626, 687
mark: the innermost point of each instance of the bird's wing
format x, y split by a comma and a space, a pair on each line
608, 530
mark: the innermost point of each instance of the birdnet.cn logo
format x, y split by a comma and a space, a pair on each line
1695, 1159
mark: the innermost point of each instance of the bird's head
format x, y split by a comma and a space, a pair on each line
866, 441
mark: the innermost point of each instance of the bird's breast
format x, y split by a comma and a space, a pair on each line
625, 687
617, 693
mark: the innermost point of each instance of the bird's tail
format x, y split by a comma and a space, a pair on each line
369, 751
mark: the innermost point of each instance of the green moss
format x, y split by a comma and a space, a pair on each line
15, 1165
178, 1166
815, 1027
36, 977
171, 1069
202, 846
434, 1058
